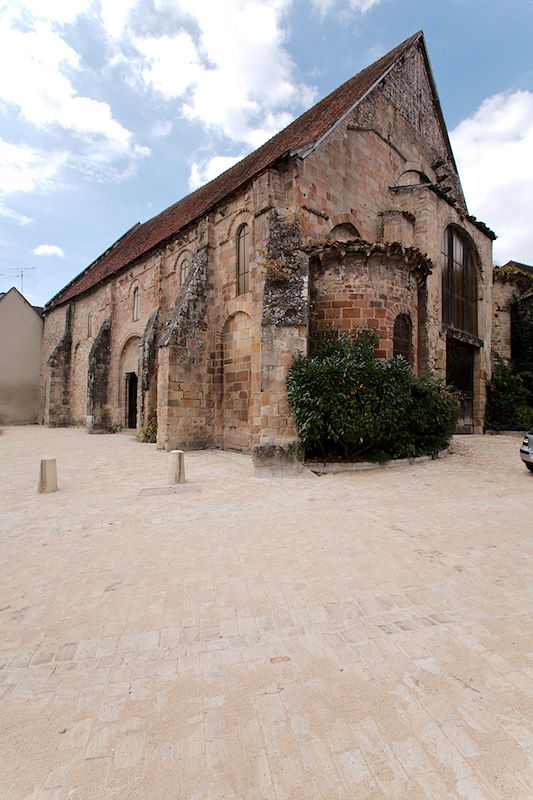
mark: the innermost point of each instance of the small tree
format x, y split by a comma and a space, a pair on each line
507, 399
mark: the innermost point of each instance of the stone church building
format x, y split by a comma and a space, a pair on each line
352, 214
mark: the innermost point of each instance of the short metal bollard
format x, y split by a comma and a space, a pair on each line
176, 469
48, 476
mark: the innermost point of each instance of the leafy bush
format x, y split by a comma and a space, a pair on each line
149, 433
430, 420
347, 402
508, 400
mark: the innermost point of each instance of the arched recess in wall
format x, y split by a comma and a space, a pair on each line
344, 231
412, 177
183, 268
129, 382
234, 381
402, 341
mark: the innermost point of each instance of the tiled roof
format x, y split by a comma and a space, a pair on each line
516, 266
304, 131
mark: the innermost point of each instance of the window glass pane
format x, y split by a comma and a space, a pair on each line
459, 285
458, 249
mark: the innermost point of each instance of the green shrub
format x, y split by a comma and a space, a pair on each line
149, 433
507, 399
346, 402
430, 420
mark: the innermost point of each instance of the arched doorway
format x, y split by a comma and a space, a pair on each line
129, 382
131, 399
459, 315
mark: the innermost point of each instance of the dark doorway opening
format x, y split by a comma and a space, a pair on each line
131, 400
460, 374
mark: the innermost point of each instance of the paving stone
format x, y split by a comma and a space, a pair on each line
373, 643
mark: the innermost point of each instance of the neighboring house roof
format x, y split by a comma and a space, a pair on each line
38, 309
300, 136
515, 267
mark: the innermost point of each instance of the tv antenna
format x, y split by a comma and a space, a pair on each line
20, 274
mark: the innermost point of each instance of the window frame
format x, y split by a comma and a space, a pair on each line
185, 270
242, 240
459, 281
136, 305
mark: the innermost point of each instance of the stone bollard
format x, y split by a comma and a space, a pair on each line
176, 469
48, 476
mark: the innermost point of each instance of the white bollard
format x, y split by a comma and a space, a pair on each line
48, 476
176, 469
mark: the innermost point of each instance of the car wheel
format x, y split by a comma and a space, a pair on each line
530, 467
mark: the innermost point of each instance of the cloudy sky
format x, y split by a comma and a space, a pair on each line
111, 110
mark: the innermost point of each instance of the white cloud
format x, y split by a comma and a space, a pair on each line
52, 10
325, 6
235, 77
23, 169
9, 213
172, 63
38, 70
48, 250
204, 171
34, 70
494, 152
114, 14
161, 129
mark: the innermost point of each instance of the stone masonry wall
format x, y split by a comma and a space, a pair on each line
356, 284
57, 382
183, 399
365, 173
386, 173
98, 411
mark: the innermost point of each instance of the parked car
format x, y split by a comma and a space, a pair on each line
526, 450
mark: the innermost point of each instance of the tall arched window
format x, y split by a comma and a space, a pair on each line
242, 259
90, 319
402, 337
136, 305
185, 269
459, 284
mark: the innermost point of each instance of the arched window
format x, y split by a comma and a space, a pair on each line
459, 284
136, 305
402, 337
185, 269
90, 329
242, 259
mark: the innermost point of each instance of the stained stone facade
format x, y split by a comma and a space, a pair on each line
345, 216
512, 291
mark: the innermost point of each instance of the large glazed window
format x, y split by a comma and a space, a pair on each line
459, 285
242, 259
